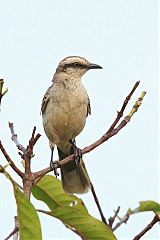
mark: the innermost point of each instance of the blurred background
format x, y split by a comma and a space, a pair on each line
121, 36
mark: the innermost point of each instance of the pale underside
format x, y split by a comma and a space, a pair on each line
65, 107
65, 114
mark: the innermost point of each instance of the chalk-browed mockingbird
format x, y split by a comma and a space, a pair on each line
65, 107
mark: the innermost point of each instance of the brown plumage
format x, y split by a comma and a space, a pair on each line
65, 107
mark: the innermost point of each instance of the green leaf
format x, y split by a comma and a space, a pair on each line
147, 206
49, 190
28, 221
86, 225
70, 210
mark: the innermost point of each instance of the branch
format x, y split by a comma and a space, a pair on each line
15, 230
29, 177
147, 228
129, 116
1, 87
20, 147
122, 220
26, 154
125, 218
112, 219
14, 167
15, 139
120, 113
14, 233
98, 204
110, 133
34, 138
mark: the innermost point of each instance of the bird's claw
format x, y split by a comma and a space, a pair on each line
77, 152
78, 155
54, 165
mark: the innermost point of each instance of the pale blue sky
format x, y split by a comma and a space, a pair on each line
121, 36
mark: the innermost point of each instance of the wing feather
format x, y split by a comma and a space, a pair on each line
45, 99
89, 108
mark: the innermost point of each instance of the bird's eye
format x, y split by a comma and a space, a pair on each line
77, 64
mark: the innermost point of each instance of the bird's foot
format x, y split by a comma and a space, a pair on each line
77, 153
53, 166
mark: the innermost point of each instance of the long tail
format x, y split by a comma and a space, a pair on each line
74, 176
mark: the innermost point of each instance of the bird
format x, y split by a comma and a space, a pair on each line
65, 107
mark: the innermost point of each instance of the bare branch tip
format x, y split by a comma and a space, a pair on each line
33, 132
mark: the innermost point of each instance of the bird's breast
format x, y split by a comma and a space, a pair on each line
65, 115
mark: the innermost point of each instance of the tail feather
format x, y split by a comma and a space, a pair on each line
74, 176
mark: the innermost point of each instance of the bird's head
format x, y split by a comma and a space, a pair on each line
76, 66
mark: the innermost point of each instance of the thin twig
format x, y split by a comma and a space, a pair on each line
98, 204
29, 177
131, 113
15, 236
34, 138
1, 88
15, 139
14, 167
26, 154
120, 113
14, 233
147, 228
112, 219
122, 220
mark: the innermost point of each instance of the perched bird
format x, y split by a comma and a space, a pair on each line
65, 107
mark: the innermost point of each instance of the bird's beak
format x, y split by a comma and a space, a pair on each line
94, 66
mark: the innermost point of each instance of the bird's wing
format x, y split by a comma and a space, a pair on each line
45, 99
88, 107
